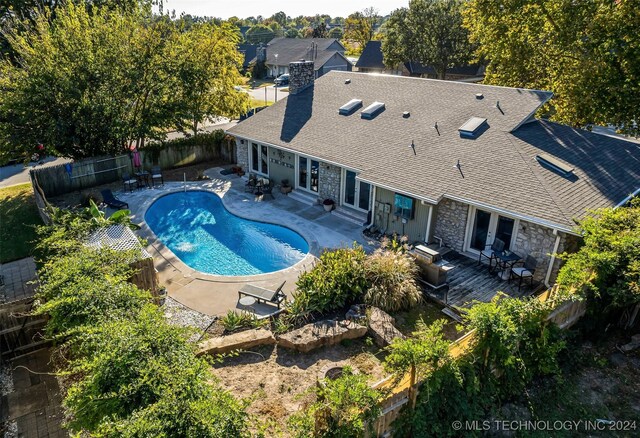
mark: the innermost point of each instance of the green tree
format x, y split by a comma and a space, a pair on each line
606, 269
587, 53
336, 32
429, 32
259, 33
206, 72
280, 18
344, 408
359, 27
292, 32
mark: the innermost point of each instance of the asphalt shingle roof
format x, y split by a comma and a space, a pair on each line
294, 49
498, 169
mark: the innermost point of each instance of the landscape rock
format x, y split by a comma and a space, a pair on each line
319, 334
633, 345
382, 328
236, 341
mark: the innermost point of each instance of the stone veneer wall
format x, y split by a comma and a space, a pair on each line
329, 182
301, 75
538, 241
242, 154
451, 223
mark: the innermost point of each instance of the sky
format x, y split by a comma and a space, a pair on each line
266, 8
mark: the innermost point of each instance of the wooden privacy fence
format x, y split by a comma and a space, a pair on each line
83, 174
405, 390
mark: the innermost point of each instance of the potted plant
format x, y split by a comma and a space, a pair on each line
285, 187
328, 204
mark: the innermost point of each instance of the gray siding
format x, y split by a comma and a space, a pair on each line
414, 229
281, 166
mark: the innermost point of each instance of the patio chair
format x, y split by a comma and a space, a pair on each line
112, 201
250, 186
525, 271
129, 181
262, 294
267, 189
490, 251
156, 173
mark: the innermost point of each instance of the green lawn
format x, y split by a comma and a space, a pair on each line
407, 320
18, 215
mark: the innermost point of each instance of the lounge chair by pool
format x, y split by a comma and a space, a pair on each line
263, 294
112, 201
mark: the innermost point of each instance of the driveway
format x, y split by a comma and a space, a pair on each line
259, 93
19, 173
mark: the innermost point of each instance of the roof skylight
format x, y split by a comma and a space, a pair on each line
372, 110
555, 164
349, 107
472, 127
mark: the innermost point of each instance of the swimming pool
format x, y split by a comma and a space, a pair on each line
206, 237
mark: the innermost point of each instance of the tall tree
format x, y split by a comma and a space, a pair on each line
336, 32
429, 32
89, 83
259, 33
319, 30
206, 74
359, 27
587, 53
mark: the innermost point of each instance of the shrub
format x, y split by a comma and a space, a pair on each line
391, 280
233, 321
336, 280
344, 407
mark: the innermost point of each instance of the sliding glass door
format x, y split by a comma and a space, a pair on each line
308, 174
357, 194
486, 227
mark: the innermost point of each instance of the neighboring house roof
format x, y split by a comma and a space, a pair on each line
249, 53
371, 57
497, 169
294, 49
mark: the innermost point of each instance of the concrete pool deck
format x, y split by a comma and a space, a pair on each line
215, 295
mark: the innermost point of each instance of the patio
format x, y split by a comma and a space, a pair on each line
470, 282
215, 295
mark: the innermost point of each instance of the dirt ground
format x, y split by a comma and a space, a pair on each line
275, 380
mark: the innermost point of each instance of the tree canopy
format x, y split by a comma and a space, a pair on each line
586, 52
87, 83
429, 32
259, 33
359, 27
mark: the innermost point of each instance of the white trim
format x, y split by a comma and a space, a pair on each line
515, 215
297, 167
628, 198
250, 159
553, 257
493, 227
356, 194
402, 192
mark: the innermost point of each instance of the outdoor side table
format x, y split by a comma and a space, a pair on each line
506, 260
247, 301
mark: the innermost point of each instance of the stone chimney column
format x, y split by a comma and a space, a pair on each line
301, 76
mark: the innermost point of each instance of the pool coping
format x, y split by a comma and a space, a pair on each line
212, 185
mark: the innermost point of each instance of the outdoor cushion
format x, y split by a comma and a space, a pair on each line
522, 272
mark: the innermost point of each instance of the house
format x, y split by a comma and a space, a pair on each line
248, 52
371, 61
440, 161
326, 53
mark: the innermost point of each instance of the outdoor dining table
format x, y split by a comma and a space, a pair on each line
504, 263
143, 178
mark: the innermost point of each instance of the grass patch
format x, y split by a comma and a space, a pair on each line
18, 215
407, 320
259, 102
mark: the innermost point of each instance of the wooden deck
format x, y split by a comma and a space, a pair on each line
470, 282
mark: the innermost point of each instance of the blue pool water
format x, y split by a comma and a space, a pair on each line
205, 236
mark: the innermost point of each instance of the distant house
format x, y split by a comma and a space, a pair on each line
371, 61
248, 52
326, 53
456, 163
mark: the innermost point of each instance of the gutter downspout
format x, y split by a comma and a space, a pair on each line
426, 237
373, 210
553, 257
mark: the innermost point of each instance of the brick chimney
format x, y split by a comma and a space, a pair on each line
301, 76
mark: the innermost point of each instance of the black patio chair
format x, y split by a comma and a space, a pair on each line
129, 181
267, 189
156, 173
112, 201
250, 186
490, 251
525, 271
